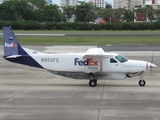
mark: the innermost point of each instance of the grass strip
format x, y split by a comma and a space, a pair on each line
39, 40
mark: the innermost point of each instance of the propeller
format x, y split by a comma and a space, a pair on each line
152, 65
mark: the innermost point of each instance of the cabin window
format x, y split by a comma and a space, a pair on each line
112, 60
121, 58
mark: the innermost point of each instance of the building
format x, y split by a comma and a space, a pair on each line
68, 2
152, 2
130, 4
99, 3
142, 17
127, 4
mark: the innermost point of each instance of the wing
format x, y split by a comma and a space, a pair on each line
96, 53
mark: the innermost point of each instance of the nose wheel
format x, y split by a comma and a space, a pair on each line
142, 82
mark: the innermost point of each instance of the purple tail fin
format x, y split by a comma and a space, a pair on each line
13, 51
11, 44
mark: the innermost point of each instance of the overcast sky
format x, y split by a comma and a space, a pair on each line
58, 1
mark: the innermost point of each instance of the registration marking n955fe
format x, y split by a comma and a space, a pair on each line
50, 60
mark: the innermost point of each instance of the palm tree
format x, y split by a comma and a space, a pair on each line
118, 13
107, 14
150, 13
68, 11
128, 16
158, 14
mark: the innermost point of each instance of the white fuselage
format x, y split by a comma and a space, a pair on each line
74, 62
75, 65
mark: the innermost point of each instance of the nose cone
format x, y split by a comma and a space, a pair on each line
152, 65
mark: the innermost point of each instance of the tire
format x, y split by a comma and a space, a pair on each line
92, 83
142, 83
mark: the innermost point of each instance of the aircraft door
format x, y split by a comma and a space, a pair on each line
114, 65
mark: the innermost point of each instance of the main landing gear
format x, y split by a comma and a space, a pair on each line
141, 81
92, 81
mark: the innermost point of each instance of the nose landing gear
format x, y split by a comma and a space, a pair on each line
141, 81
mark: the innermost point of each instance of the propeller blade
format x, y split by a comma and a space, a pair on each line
150, 71
152, 65
152, 58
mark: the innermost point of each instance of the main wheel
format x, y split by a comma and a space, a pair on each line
142, 82
92, 83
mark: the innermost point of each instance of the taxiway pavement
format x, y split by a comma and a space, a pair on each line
28, 93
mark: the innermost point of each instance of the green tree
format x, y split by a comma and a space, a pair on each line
68, 11
39, 4
108, 5
128, 16
158, 15
117, 14
150, 13
52, 13
14, 10
85, 12
37, 9
111, 15
107, 14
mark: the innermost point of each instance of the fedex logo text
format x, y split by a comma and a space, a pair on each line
88, 62
10, 45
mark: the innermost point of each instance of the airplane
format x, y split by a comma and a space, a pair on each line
93, 64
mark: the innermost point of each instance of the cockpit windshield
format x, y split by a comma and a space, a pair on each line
121, 58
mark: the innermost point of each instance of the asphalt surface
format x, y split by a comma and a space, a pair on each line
115, 34
28, 93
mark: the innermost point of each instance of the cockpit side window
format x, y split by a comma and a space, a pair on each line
112, 60
121, 58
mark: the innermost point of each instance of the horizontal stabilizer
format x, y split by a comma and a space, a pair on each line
14, 56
